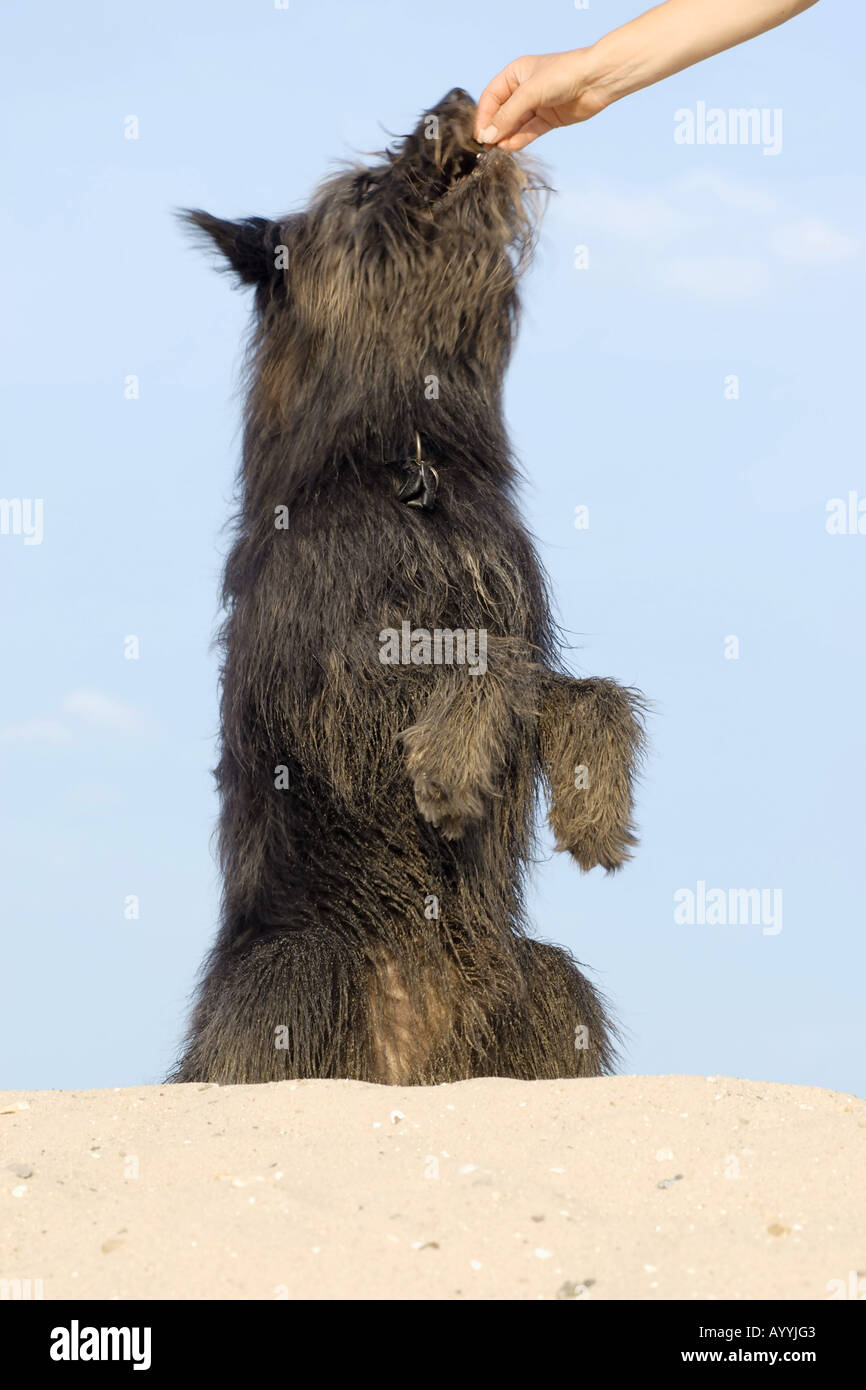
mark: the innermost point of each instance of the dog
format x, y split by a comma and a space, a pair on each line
393, 697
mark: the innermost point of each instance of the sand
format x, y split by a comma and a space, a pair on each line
633, 1187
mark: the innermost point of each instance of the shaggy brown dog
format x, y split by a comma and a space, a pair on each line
392, 696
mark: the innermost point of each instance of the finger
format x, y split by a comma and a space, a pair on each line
534, 127
494, 97
494, 94
511, 116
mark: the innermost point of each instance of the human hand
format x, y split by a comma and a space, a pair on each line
535, 94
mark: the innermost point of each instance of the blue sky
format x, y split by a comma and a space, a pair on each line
707, 499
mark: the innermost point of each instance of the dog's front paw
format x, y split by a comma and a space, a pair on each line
449, 808
449, 793
592, 742
603, 844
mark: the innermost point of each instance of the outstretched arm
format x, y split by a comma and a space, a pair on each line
537, 93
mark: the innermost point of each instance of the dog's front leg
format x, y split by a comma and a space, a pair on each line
456, 750
591, 742
467, 732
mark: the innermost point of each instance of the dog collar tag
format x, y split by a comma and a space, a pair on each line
421, 483
419, 489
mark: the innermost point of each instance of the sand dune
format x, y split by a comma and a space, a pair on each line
640, 1187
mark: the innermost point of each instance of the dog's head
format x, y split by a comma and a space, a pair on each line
406, 265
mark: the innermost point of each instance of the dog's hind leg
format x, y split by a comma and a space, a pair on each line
591, 741
288, 1003
560, 1027
310, 1003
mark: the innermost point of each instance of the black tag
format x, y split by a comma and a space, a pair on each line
420, 485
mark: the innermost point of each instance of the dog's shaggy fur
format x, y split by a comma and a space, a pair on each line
377, 819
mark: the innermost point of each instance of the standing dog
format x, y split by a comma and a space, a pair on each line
391, 693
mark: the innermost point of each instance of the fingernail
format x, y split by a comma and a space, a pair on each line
488, 136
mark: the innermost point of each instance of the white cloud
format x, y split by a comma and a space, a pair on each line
634, 216
94, 708
103, 711
663, 215
34, 731
715, 277
814, 241
703, 233
745, 197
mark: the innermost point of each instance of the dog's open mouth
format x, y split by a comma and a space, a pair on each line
464, 163
467, 164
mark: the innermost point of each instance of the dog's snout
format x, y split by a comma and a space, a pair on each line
456, 113
457, 107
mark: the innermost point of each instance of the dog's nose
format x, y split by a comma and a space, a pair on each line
458, 96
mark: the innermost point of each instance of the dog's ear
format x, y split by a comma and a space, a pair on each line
251, 246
